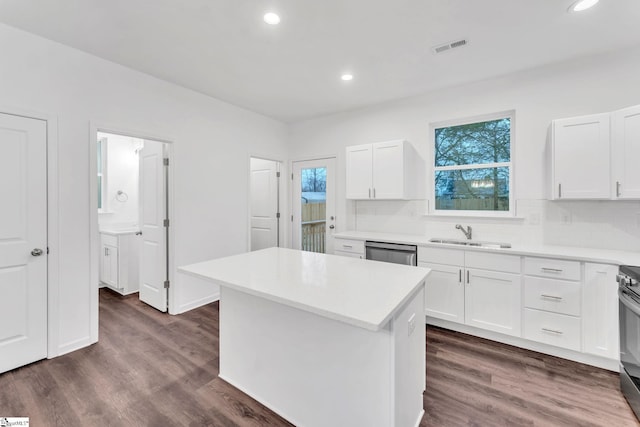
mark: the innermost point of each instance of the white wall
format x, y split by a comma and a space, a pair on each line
121, 174
211, 140
590, 85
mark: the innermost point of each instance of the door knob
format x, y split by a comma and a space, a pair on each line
36, 252
332, 226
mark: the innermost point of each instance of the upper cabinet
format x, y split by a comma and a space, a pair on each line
593, 157
626, 152
383, 171
580, 148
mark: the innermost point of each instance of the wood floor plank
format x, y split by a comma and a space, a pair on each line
152, 369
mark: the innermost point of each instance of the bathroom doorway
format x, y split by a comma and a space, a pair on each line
133, 216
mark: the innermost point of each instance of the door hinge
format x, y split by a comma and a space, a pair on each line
166, 284
47, 250
165, 223
291, 218
165, 162
277, 174
278, 215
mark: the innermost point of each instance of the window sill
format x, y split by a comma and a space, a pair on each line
478, 215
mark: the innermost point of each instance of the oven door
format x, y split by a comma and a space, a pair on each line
630, 348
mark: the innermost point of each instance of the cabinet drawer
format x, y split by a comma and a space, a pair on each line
554, 268
347, 245
349, 254
552, 328
440, 256
558, 296
108, 239
495, 262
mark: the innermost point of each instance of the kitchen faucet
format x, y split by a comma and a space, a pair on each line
466, 232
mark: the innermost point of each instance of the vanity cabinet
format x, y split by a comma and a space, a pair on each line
625, 146
383, 171
473, 288
119, 262
580, 158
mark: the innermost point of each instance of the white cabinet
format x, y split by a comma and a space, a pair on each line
119, 262
580, 158
600, 319
469, 291
384, 170
492, 301
349, 248
625, 133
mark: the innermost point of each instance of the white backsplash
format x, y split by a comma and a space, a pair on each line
593, 224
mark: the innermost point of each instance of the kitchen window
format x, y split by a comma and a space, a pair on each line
472, 166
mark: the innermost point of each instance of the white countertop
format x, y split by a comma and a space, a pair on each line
119, 231
604, 256
359, 292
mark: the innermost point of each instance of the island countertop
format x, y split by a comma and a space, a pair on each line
358, 292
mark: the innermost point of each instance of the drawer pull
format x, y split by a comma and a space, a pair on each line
553, 297
551, 270
553, 331
347, 246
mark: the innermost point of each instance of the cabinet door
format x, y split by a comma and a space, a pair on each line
444, 292
626, 152
493, 301
388, 170
581, 158
110, 269
359, 172
600, 312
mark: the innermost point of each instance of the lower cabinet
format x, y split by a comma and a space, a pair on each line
349, 248
465, 294
119, 262
567, 304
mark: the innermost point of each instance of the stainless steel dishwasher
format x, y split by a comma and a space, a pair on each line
392, 252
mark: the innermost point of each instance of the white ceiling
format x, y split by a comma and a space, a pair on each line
292, 71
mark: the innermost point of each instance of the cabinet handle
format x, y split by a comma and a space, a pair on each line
460, 276
617, 188
347, 246
369, 193
551, 297
559, 191
551, 270
374, 192
467, 276
553, 331
106, 251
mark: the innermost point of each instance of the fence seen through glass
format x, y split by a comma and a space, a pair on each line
313, 209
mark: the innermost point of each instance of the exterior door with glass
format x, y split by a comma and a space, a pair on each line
314, 205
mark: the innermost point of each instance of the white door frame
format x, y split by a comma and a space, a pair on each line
53, 231
94, 128
291, 189
282, 203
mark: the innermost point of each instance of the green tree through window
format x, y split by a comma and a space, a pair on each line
472, 165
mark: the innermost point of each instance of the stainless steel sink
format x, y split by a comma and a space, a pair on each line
473, 243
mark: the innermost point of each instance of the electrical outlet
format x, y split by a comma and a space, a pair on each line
412, 323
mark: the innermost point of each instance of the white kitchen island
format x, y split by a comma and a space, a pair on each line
322, 340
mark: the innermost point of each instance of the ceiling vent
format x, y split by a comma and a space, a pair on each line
448, 46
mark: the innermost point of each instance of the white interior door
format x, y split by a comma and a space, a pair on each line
314, 205
153, 212
23, 241
264, 180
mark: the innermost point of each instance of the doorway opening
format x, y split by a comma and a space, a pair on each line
133, 216
313, 205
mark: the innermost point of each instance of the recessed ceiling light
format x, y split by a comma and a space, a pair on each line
581, 5
271, 18
347, 77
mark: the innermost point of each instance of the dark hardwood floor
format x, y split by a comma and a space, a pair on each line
152, 369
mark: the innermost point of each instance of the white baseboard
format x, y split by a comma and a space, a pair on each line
197, 303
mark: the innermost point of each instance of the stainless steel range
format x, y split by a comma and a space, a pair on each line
629, 294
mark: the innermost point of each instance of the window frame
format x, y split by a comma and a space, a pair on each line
432, 168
